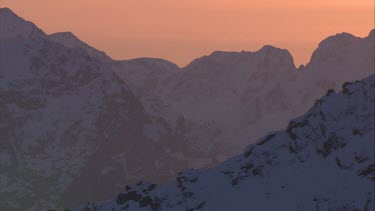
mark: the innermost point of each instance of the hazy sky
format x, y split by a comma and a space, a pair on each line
181, 30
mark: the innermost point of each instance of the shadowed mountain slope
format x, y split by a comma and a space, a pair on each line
323, 160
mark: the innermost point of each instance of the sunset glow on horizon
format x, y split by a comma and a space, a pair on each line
181, 31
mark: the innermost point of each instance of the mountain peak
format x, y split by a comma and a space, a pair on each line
154, 64
64, 34
268, 55
269, 48
338, 39
330, 47
13, 26
372, 34
7, 14
68, 39
152, 61
6, 10
277, 56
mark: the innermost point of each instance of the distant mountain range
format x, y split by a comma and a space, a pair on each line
237, 95
77, 126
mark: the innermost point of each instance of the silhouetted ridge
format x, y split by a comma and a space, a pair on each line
277, 55
77, 131
7, 12
267, 55
64, 34
372, 34
329, 47
13, 26
70, 40
148, 62
343, 51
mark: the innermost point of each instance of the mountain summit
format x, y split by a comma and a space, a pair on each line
69, 40
13, 26
268, 55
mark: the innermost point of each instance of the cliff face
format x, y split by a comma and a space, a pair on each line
323, 160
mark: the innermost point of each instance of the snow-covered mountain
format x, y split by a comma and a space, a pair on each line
236, 94
340, 58
12, 26
69, 40
323, 160
67, 124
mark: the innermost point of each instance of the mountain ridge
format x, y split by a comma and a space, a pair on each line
306, 166
66, 116
12, 26
62, 107
8, 11
68, 39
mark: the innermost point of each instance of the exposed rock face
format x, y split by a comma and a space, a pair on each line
322, 161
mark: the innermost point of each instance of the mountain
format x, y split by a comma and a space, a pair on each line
133, 72
12, 26
72, 119
232, 95
339, 57
69, 40
68, 123
323, 160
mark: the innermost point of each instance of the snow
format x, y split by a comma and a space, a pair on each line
290, 170
228, 96
14, 27
69, 40
68, 123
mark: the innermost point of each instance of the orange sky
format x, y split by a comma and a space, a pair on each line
181, 30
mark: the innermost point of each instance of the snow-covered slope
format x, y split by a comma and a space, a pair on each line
67, 123
323, 160
69, 40
13, 27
